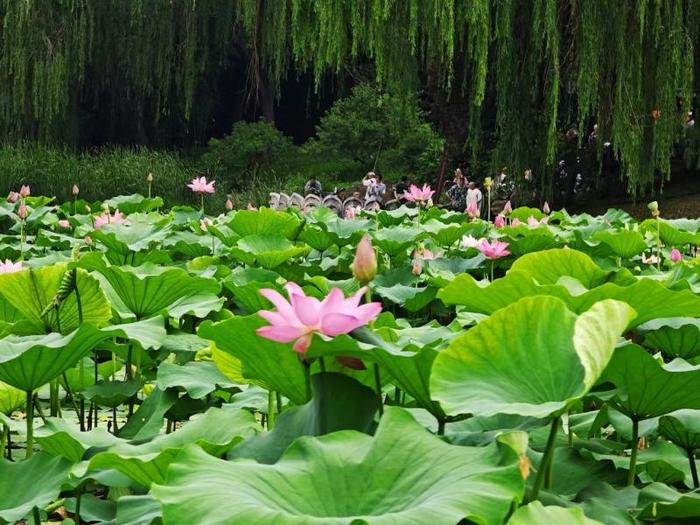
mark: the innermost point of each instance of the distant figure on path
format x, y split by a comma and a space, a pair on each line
458, 194
401, 188
313, 186
375, 190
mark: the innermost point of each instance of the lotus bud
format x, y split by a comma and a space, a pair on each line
499, 221
149, 179
488, 183
515, 222
76, 190
676, 255
507, 208
25, 191
417, 267
656, 114
88, 209
545, 207
654, 208
63, 223
13, 197
105, 207
229, 204
22, 211
364, 266
88, 240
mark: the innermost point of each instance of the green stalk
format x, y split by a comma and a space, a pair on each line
270, 410
37, 516
546, 459
378, 383
30, 423
3, 439
631, 474
693, 468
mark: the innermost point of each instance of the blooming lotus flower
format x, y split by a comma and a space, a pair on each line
10, 267
364, 266
515, 222
75, 190
22, 211
25, 191
417, 266
63, 223
302, 316
507, 208
200, 185
499, 221
676, 255
418, 195
13, 197
204, 223
106, 218
531, 221
493, 250
469, 241
652, 259
229, 204
545, 207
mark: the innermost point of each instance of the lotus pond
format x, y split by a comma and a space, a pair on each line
412, 366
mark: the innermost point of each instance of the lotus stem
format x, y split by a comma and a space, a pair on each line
78, 499
4, 439
278, 399
631, 474
322, 364
30, 424
37, 516
307, 378
693, 468
441, 426
270, 410
546, 459
378, 383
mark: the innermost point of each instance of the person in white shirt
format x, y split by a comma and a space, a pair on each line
474, 195
374, 194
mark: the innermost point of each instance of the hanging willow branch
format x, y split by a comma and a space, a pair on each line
628, 66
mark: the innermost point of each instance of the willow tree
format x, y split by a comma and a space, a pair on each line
537, 65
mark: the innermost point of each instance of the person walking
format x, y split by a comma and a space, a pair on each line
374, 194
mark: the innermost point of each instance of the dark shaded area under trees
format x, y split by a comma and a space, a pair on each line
503, 81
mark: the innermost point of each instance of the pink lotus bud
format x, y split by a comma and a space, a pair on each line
515, 222
22, 211
88, 240
417, 268
364, 266
531, 221
350, 212
13, 197
545, 207
507, 208
63, 223
76, 190
676, 255
229, 204
25, 191
499, 221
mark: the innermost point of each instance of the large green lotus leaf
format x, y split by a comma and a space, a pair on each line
11, 398
265, 222
147, 421
345, 231
112, 393
623, 243
189, 244
134, 203
149, 333
269, 251
548, 266
150, 290
402, 475
28, 362
533, 358
140, 232
445, 234
537, 514
645, 388
316, 237
216, 431
137, 510
276, 364
35, 482
682, 427
522, 213
198, 378
672, 235
412, 298
389, 218
58, 437
650, 299
394, 241
536, 240
677, 336
658, 501
31, 291
339, 403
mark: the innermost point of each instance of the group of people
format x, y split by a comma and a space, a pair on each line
465, 195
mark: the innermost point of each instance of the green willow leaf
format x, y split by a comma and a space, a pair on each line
413, 477
532, 358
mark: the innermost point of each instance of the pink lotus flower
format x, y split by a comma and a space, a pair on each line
425, 254
652, 259
493, 250
469, 241
676, 255
200, 185
499, 221
418, 195
417, 266
507, 208
350, 212
25, 191
63, 223
364, 265
473, 209
229, 204
13, 197
9, 267
22, 212
106, 218
531, 221
515, 222
302, 316
205, 223
76, 190
545, 207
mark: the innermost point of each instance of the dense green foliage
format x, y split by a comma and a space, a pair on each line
526, 68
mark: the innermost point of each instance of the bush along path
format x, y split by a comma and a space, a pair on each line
408, 366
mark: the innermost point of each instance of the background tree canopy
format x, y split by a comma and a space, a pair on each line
502, 77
